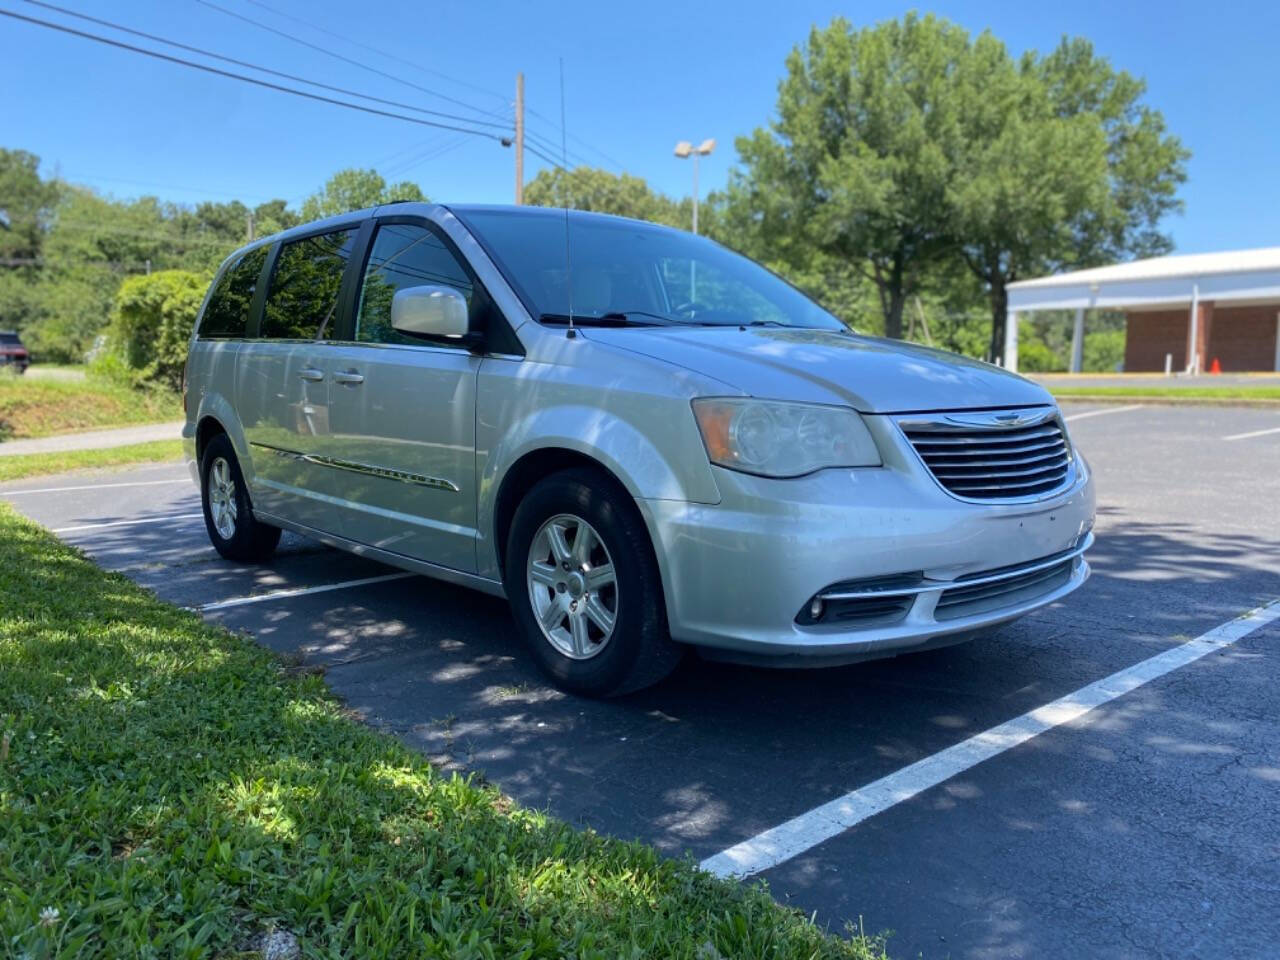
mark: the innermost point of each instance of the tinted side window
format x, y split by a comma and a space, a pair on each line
403, 255
302, 302
228, 312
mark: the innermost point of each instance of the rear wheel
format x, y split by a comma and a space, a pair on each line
228, 516
584, 587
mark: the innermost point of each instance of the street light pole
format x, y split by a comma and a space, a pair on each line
685, 149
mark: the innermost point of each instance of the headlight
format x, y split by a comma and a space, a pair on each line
776, 439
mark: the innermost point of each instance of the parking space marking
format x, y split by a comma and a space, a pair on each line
125, 523
300, 592
802, 833
93, 486
1104, 412
1252, 433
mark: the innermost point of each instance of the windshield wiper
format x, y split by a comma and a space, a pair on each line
632, 318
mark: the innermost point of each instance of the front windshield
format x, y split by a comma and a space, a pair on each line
627, 269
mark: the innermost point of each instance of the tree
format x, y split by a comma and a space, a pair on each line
151, 322
27, 203
589, 188
353, 189
857, 165
1061, 167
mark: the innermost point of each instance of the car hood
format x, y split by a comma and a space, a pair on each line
870, 374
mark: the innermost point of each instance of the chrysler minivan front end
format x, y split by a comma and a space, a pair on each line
948, 537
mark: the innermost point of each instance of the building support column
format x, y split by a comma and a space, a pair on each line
1193, 331
1077, 342
1278, 343
1011, 340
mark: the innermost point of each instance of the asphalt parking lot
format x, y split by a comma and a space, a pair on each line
1149, 826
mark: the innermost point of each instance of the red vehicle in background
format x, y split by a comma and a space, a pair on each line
12, 352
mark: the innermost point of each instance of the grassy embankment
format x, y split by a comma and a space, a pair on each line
41, 407
170, 789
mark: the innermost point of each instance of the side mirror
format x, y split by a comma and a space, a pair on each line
430, 311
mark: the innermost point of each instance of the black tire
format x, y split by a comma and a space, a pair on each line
640, 651
250, 540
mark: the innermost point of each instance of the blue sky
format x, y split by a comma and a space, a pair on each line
638, 77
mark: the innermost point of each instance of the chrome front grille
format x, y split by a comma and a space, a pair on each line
1003, 455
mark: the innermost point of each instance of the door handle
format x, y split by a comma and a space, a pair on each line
349, 377
311, 373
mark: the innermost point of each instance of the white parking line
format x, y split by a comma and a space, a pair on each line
806, 831
125, 523
299, 592
1103, 412
1252, 433
93, 486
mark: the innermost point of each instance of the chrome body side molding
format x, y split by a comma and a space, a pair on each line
367, 469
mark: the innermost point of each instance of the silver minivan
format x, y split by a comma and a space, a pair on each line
642, 440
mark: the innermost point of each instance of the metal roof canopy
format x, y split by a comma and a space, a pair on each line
1174, 280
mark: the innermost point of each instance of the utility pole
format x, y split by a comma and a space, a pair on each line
519, 138
249, 237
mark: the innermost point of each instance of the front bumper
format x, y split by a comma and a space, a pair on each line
738, 574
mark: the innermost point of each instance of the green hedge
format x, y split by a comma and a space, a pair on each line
151, 322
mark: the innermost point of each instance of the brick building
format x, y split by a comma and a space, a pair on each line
1185, 311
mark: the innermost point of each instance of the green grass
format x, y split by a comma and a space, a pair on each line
171, 789
1190, 393
36, 407
36, 464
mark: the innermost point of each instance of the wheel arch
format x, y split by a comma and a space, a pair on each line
528, 470
206, 429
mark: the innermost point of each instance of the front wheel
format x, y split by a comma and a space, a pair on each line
584, 587
228, 516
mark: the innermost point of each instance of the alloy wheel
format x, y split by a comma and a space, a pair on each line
573, 586
222, 498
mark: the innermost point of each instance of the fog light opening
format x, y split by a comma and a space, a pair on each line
816, 608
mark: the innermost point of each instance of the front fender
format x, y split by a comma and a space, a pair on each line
676, 470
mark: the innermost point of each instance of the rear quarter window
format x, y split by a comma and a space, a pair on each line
227, 314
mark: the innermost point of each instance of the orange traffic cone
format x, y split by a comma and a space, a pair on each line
1215, 367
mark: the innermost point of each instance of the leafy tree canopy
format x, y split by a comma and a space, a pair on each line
354, 189
909, 144
589, 188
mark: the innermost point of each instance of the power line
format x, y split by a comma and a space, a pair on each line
390, 56
262, 69
542, 156
579, 140
159, 236
551, 147
432, 153
225, 194
262, 26
239, 76
338, 56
